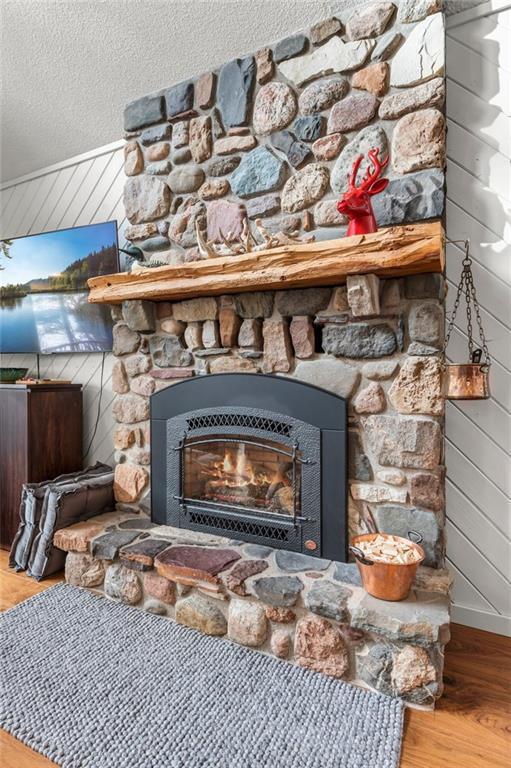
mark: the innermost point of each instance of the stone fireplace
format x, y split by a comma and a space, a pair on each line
371, 347
323, 418
262, 459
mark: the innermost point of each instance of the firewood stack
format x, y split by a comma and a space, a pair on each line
389, 549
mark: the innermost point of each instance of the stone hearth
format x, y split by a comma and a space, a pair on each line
311, 612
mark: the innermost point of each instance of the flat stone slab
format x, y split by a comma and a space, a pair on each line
329, 599
77, 537
140, 556
347, 573
137, 524
282, 591
235, 580
188, 564
423, 618
257, 550
183, 536
294, 562
106, 547
212, 352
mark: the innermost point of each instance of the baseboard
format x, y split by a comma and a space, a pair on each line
491, 622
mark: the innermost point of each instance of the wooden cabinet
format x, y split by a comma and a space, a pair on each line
40, 438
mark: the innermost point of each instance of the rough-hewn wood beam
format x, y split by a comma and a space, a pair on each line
390, 252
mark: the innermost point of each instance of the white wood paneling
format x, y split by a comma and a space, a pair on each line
489, 249
479, 201
488, 580
485, 163
478, 434
489, 416
493, 293
481, 119
488, 37
494, 546
478, 488
83, 190
465, 592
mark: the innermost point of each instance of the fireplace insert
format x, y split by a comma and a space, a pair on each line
253, 457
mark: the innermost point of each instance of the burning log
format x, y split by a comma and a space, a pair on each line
281, 479
246, 496
283, 501
239, 478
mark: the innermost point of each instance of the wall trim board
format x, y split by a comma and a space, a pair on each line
473, 617
76, 160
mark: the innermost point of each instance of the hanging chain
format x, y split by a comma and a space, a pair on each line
466, 286
482, 337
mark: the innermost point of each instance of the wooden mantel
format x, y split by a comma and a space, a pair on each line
390, 252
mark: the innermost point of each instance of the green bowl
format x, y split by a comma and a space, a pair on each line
10, 375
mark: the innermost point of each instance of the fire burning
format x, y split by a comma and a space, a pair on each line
244, 476
238, 471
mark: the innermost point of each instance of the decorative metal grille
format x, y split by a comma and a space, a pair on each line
239, 420
239, 526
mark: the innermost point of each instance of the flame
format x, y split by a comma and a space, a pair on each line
235, 470
238, 476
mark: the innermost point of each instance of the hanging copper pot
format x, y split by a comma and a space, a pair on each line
467, 381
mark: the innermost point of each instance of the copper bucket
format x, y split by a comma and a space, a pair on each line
387, 581
468, 381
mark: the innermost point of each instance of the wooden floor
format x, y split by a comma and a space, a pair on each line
470, 728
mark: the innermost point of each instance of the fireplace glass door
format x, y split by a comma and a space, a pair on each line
238, 472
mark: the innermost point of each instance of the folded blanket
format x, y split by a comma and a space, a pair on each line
32, 506
65, 505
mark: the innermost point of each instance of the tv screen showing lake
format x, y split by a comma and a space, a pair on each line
43, 291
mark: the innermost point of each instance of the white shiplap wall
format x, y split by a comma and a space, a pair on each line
82, 190
89, 188
478, 434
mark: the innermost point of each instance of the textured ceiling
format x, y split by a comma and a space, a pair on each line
69, 66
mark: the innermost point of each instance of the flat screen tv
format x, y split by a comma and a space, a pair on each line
43, 290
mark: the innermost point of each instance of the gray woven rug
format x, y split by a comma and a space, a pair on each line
93, 684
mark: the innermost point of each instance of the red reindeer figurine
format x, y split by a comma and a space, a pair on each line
356, 201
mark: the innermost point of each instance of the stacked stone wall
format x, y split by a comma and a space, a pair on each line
272, 136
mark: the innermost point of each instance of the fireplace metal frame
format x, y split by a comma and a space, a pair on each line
298, 416
247, 524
